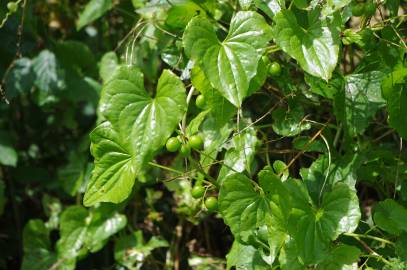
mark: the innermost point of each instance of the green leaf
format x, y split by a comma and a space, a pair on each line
242, 207
114, 175
131, 251
289, 257
194, 124
316, 227
359, 101
138, 126
3, 198
315, 46
231, 64
304, 143
391, 217
82, 230
270, 7
339, 257
239, 157
72, 174
108, 64
8, 155
289, 122
49, 78
20, 78
214, 140
401, 246
320, 175
334, 5
180, 13
221, 109
37, 246
245, 257
395, 92
93, 10
76, 55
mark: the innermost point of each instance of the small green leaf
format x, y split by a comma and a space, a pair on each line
93, 10
315, 46
232, 63
391, 217
289, 122
239, 157
131, 250
108, 65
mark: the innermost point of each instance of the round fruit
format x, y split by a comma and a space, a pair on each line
197, 191
358, 9
12, 6
195, 141
173, 144
275, 69
200, 102
370, 9
211, 203
185, 150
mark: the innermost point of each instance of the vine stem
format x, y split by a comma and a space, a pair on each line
184, 119
355, 235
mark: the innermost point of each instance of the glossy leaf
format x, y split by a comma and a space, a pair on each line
315, 47
232, 63
139, 126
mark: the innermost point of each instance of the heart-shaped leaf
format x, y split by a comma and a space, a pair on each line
232, 63
315, 46
138, 125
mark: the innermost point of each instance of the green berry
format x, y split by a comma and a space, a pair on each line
197, 191
200, 102
211, 203
173, 144
370, 9
185, 150
275, 69
12, 6
358, 9
195, 141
